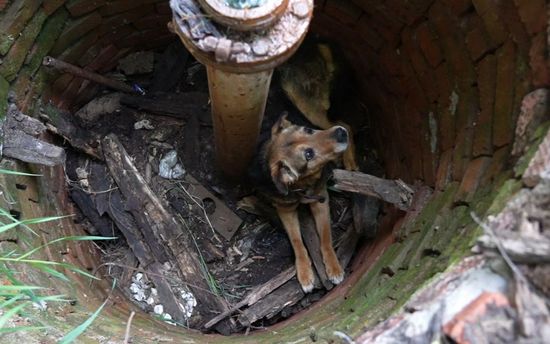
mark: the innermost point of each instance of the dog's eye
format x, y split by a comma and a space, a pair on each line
309, 154
308, 131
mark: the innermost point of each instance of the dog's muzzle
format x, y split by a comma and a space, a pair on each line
340, 134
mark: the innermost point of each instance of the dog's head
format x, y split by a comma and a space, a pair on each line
297, 152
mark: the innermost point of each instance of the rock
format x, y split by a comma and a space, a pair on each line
140, 62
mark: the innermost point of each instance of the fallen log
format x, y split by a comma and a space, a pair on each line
392, 191
313, 245
155, 222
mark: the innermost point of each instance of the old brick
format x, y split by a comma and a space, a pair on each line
459, 7
483, 144
119, 6
75, 30
498, 165
50, 6
428, 41
74, 52
539, 60
152, 21
504, 95
387, 26
17, 53
533, 14
444, 170
477, 39
473, 175
112, 23
46, 39
509, 14
488, 11
97, 56
80, 7
446, 106
53, 94
13, 21
4, 89
136, 39
369, 35
345, 12
3, 4
116, 35
453, 44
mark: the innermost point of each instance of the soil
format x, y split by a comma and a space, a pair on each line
260, 248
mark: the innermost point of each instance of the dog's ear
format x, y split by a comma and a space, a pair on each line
282, 177
281, 124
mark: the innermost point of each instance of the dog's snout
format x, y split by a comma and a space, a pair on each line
341, 135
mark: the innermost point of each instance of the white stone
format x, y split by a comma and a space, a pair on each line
158, 309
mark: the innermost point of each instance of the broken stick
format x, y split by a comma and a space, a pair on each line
391, 191
88, 75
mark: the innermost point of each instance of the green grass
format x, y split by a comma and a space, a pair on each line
15, 295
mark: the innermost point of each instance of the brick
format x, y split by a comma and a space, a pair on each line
459, 7
473, 175
369, 35
50, 6
453, 44
52, 94
136, 39
17, 53
152, 21
428, 41
504, 95
21, 87
509, 14
444, 170
539, 62
346, 12
3, 4
387, 26
46, 39
4, 89
498, 165
114, 22
119, 6
446, 107
116, 35
75, 30
483, 144
73, 53
79, 7
477, 39
488, 11
429, 148
13, 22
533, 14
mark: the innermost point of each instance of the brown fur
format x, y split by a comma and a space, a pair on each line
299, 180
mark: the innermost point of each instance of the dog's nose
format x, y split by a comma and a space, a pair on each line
341, 135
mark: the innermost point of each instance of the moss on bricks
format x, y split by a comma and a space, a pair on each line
47, 38
16, 56
13, 20
4, 88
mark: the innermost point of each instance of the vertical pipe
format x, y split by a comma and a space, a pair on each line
238, 104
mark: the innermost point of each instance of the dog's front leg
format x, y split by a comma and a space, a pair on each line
289, 218
321, 214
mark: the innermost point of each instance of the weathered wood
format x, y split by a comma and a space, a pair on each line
223, 219
313, 244
153, 216
111, 203
61, 124
256, 294
346, 245
20, 140
287, 295
365, 214
391, 191
177, 105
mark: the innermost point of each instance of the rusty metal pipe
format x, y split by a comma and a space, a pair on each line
240, 53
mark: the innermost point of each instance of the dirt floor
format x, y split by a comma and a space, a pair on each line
257, 252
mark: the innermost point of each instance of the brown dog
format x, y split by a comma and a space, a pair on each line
293, 170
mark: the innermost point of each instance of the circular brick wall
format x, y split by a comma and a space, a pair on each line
444, 82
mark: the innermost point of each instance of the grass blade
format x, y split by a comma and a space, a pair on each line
77, 331
17, 173
19, 287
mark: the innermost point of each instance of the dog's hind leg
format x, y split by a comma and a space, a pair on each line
321, 214
289, 218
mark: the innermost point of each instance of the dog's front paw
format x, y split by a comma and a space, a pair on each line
335, 272
305, 276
